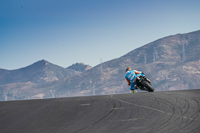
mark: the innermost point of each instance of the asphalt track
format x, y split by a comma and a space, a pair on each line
157, 112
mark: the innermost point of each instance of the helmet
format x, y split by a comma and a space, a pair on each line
128, 69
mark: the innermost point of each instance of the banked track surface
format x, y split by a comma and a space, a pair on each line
157, 112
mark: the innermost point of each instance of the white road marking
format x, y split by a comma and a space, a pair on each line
116, 108
85, 104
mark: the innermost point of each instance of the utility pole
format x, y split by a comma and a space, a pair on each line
93, 90
101, 69
183, 53
5, 96
145, 58
52, 93
93, 87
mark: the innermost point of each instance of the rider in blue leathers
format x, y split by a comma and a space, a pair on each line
131, 78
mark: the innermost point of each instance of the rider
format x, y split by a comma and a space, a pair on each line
131, 78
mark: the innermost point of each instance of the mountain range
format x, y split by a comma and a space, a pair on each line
171, 63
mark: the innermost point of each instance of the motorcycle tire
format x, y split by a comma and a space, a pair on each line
148, 86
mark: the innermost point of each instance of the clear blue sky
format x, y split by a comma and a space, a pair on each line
64, 32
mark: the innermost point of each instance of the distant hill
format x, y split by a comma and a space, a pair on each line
176, 48
39, 72
171, 63
27, 81
81, 67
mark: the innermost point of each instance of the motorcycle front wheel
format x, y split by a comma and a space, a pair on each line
148, 86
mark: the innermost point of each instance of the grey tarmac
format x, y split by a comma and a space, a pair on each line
157, 112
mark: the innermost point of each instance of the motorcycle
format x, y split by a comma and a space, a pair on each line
143, 83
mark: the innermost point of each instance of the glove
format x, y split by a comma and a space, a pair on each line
142, 73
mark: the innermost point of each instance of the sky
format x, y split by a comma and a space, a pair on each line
65, 32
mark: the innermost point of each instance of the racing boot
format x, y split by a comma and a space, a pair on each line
134, 91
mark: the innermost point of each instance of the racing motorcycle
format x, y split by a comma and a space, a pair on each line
143, 83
